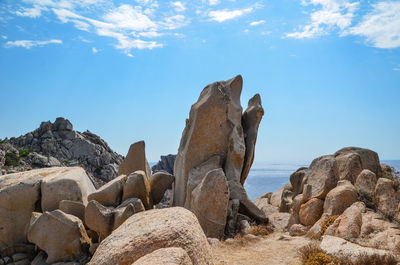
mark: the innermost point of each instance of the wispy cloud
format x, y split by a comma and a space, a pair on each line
256, 23
4, 37
225, 14
178, 6
34, 12
331, 14
213, 2
95, 50
381, 26
27, 44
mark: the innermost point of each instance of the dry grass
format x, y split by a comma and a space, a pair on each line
312, 254
261, 230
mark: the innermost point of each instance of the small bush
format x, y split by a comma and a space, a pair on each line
261, 230
24, 153
366, 198
312, 254
11, 159
387, 176
375, 259
327, 223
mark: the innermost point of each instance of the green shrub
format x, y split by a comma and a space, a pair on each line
12, 159
366, 198
24, 153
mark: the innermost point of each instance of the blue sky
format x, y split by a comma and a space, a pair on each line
328, 71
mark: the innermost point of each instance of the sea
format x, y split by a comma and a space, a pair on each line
269, 177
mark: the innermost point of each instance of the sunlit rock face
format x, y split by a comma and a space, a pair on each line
218, 138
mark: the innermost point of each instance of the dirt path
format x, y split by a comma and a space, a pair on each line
276, 249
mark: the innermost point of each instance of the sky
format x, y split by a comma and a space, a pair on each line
328, 71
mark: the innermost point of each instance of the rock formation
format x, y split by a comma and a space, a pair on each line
165, 164
148, 231
347, 195
57, 144
218, 138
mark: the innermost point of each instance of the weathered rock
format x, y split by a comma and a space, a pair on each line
73, 208
104, 220
311, 211
19, 194
166, 164
207, 131
210, 201
286, 201
322, 176
298, 230
349, 166
336, 246
366, 182
151, 230
99, 218
65, 184
159, 183
386, 198
350, 221
297, 180
110, 194
387, 171
250, 121
135, 160
340, 198
197, 174
315, 230
247, 207
165, 256
276, 197
294, 210
369, 159
62, 236
55, 144
137, 186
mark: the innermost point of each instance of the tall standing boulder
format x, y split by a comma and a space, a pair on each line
214, 137
251, 120
135, 160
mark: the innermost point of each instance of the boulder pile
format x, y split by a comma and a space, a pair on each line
59, 211
214, 158
348, 194
57, 144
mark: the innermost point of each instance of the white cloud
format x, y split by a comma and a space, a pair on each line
150, 34
4, 37
34, 12
396, 69
256, 23
95, 50
213, 2
178, 6
332, 14
381, 27
225, 14
129, 18
27, 44
174, 22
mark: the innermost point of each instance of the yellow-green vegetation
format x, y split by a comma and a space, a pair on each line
24, 153
320, 259
327, 223
261, 230
312, 254
12, 159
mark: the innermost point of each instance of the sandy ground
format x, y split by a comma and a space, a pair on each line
277, 248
